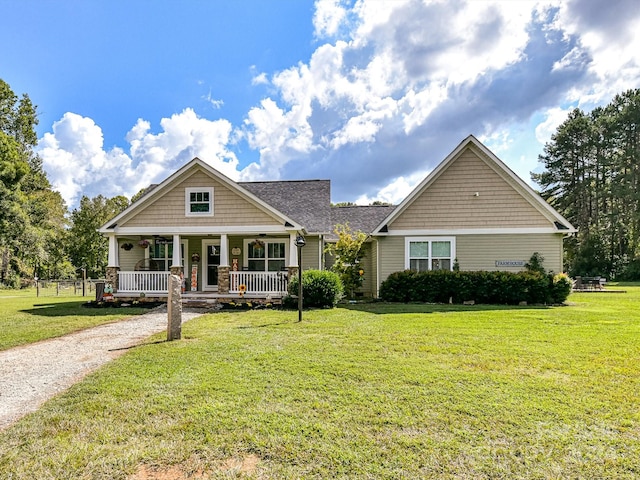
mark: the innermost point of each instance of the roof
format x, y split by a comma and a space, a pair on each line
306, 201
359, 217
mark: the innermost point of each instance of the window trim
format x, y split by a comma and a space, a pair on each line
409, 240
187, 201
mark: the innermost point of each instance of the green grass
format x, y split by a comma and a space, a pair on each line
371, 391
25, 318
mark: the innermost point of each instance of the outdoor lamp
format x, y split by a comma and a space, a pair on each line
300, 242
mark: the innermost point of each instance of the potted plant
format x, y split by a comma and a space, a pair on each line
143, 243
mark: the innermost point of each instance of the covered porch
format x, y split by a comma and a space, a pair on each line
226, 265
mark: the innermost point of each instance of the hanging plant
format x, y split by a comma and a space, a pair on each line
127, 246
143, 243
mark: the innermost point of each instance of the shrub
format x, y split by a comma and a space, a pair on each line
561, 288
320, 288
498, 288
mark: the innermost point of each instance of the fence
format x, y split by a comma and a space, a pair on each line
66, 288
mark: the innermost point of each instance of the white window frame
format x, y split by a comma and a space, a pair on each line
187, 201
168, 258
409, 240
266, 242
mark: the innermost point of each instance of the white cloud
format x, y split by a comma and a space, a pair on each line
328, 16
396, 191
77, 163
553, 118
390, 89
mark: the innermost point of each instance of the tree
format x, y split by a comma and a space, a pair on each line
592, 177
86, 246
31, 214
348, 252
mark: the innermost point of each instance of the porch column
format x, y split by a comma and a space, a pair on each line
113, 262
176, 259
224, 250
293, 250
292, 269
112, 259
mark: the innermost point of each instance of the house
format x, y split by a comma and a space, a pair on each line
471, 210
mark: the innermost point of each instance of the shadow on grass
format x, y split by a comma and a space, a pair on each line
65, 309
382, 308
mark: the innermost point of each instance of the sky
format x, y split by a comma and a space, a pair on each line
370, 94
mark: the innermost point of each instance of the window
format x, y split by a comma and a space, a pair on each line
429, 253
269, 255
199, 201
161, 251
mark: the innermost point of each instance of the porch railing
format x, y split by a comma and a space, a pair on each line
148, 282
258, 282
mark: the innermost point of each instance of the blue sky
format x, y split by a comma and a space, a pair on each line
368, 93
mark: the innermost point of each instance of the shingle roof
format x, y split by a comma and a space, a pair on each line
305, 201
359, 217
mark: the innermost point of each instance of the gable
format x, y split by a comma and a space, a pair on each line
469, 193
229, 207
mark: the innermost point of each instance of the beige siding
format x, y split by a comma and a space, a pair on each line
391, 256
310, 254
373, 269
129, 258
229, 207
480, 252
450, 201
367, 288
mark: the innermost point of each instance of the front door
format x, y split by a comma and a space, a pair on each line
210, 265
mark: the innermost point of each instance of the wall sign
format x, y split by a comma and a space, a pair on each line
510, 263
236, 251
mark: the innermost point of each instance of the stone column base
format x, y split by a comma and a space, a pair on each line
111, 276
223, 279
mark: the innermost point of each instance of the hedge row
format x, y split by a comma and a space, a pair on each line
497, 288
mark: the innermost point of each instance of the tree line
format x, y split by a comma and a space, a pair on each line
592, 177
39, 237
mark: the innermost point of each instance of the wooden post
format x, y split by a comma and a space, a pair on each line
174, 308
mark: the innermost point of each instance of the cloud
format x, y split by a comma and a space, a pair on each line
408, 82
77, 163
390, 89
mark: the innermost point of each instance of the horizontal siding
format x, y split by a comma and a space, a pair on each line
450, 201
480, 252
391, 256
310, 253
229, 208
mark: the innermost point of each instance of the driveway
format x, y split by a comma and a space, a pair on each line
32, 374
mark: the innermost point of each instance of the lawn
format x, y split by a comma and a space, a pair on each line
25, 318
372, 391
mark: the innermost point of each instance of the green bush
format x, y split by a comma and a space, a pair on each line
320, 288
561, 288
497, 288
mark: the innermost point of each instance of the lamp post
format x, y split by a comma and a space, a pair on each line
300, 242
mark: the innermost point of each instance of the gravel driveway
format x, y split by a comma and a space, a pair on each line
32, 374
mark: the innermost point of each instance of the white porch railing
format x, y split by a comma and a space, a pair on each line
258, 282
148, 282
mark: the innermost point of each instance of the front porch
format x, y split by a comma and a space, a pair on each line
214, 267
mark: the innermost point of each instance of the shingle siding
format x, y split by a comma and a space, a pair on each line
229, 207
451, 201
